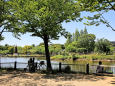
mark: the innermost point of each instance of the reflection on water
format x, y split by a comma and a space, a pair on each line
7, 62
109, 66
79, 66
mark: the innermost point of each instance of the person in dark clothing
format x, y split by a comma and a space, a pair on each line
100, 68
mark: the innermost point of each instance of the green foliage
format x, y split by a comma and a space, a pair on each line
82, 43
43, 18
81, 32
38, 49
98, 7
77, 34
85, 31
8, 21
81, 50
87, 41
55, 49
6, 49
61, 57
1, 38
86, 57
26, 49
57, 57
20, 49
69, 39
11, 50
73, 37
71, 47
102, 46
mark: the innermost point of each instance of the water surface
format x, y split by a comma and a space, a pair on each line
78, 65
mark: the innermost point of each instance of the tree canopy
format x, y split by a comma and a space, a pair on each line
102, 46
83, 42
44, 17
8, 22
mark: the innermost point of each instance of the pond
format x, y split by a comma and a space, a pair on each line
22, 62
78, 65
109, 66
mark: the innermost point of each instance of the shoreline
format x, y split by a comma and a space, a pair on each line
58, 59
106, 60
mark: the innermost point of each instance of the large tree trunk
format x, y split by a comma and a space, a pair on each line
49, 67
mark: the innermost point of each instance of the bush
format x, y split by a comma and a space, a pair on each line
81, 50
57, 57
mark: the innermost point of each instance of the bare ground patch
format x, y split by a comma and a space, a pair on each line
37, 79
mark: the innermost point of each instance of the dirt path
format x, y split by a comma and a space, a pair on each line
27, 79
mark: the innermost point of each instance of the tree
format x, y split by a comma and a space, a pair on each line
26, 49
15, 49
33, 45
37, 50
77, 34
43, 18
8, 22
85, 31
69, 39
102, 46
99, 7
20, 50
55, 49
11, 50
73, 37
81, 32
2, 17
87, 41
73, 47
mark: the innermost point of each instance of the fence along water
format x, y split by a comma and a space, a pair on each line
81, 68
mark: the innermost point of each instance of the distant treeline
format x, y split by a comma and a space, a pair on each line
80, 42
30, 49
83, 42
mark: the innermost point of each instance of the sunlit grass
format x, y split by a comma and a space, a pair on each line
86, 56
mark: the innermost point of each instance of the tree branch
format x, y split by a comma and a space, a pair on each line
2, 31
107, 23
111, 5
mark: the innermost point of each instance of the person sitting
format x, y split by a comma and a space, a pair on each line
99, 68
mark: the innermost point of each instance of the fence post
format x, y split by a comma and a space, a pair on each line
15, 65
0, 62
36, 65
87, 68
60, 67
0, 65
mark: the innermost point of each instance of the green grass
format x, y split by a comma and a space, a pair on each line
87, 56
58, 57
98, 57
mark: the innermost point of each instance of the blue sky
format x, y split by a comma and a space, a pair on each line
100, 31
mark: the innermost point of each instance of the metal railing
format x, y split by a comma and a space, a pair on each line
81, 68
74, 67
